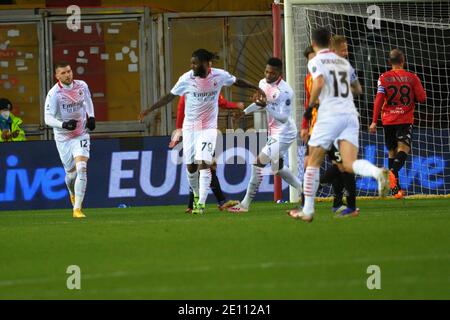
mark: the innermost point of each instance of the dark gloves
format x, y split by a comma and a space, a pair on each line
70, 125
90, 124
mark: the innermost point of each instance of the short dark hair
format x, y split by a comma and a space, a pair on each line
322, 37
275, 62
5, 104
396, 56
204, 55
60, 64
308, 51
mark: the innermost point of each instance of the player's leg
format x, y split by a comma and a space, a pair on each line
191, 166
205, 146
391, 144
190, 202
80, 152
65, 154
278, 168
335, 174
403, 137
348, 148
222, 202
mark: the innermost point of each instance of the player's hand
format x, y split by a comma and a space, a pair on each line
90, 124
260, 99
308, 114
304, 135
373, 128
143, 114
70, 125
15, 134
175, 138
240, 106
6, 134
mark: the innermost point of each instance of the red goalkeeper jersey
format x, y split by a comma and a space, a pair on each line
398, 90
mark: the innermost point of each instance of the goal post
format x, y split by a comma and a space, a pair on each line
421, 29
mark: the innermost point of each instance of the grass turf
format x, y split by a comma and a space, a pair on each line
162, 253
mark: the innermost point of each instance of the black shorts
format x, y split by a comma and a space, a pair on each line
395, 133
334, 154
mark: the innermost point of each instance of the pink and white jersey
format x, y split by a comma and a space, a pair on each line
202, 97
65, 103
280, 98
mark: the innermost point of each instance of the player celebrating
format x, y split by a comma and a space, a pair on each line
398, 90
201, 86
282, 132
66, 107
337, 122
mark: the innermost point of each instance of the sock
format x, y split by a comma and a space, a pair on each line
310, 185
331, 174
350, 186
193, 182
204, 185
399, 161
216, 189
70, 181
191, 199
253, 186
80, 183
287, 176
338, 190
303, 199
365, 168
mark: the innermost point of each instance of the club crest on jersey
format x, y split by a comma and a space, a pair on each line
215, 84
80, 93
288, 102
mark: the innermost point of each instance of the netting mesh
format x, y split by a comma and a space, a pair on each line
422, 31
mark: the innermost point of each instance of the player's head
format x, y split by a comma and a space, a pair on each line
274, 68
309, 53
63, 72
321, 38
5, 108
201, 61
397, 58
339, 46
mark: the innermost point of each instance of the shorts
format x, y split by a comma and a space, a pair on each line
331, 130
199, 145
334, 154
395, 133
74, 147
274, 149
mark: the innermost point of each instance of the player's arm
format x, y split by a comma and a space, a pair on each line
419, 91
90, 124
285, 110
160, 103
355, 86
378, 103
178, 123
241, 83
50, 115
225, 104
317, 86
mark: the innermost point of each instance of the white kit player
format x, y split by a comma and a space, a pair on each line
337, 122
69, 110
201, 87
282, 132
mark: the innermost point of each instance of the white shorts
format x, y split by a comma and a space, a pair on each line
274, 149
199, 145
72, 148
331, 130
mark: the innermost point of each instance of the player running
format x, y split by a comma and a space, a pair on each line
282, 132
337, 122
201, 86
398, 90
69, 110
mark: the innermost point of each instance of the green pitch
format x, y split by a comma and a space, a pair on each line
162, 253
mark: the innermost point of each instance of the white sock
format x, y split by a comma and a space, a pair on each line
253, 186
80, 184
193, 182
311, 184
286, 174
70, 181
205, 184
365, 168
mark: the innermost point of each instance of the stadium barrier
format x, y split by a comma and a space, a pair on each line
145, 172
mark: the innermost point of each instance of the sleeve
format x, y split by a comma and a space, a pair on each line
379, 100
181, 87
50, 111
88, 102
353, 75
227, 78
419, 91
180, 112
225, 104
285, 112
305, 123
315, 68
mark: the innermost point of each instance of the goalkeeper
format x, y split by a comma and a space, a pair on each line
398, 90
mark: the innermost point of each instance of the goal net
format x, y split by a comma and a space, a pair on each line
422, 31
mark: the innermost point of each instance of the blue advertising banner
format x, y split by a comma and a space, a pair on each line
144, 171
